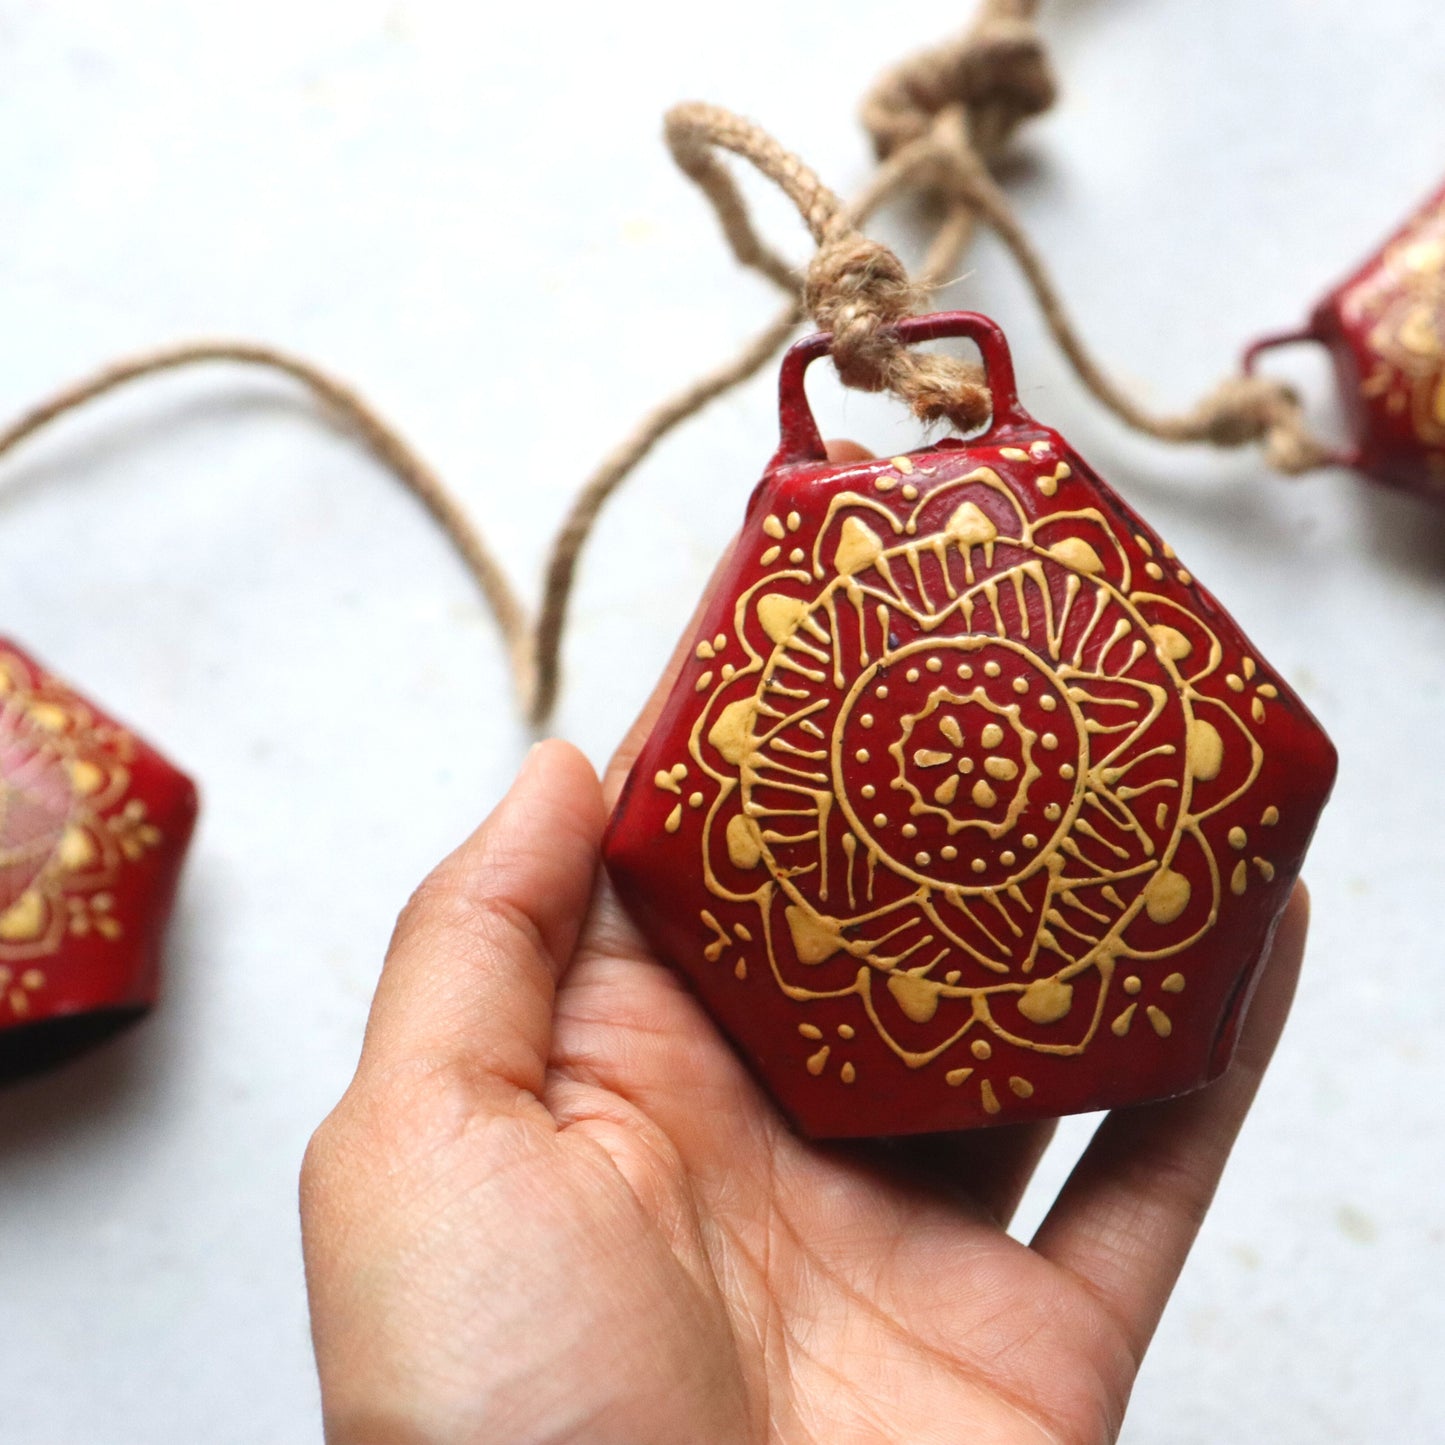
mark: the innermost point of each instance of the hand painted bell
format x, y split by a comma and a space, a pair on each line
93, 830
1385, 330
970, 804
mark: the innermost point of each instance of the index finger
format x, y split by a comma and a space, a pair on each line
477, 953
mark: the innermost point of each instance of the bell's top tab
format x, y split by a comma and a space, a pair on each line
801, 442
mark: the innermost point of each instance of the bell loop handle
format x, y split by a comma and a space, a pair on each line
1352, 457
801, 441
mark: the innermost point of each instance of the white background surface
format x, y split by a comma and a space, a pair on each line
475, 220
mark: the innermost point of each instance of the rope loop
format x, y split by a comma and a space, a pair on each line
939, 123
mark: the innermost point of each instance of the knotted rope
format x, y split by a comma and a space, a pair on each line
991, 78
1240, 410
854, 287
939, 123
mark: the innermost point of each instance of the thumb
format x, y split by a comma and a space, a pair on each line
473, 965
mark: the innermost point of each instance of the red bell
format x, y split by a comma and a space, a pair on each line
970, 805
1385, 330
93, 830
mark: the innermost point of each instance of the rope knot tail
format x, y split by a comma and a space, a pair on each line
1244, 409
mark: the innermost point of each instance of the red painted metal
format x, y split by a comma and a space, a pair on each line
969, 805
93, 831
1385, 331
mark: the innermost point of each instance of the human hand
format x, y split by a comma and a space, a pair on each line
554, 1206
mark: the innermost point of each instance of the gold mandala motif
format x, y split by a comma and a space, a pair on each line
955, 767
67, 825
1403, 305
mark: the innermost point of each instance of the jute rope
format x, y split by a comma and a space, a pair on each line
939, 123
1240, 410
377, 435
992, 77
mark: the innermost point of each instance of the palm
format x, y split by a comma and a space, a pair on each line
839, 1294
554, 1206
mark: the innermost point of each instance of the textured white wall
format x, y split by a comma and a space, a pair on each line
474, 219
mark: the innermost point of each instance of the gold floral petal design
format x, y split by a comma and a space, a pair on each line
1024, 808
67, 825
